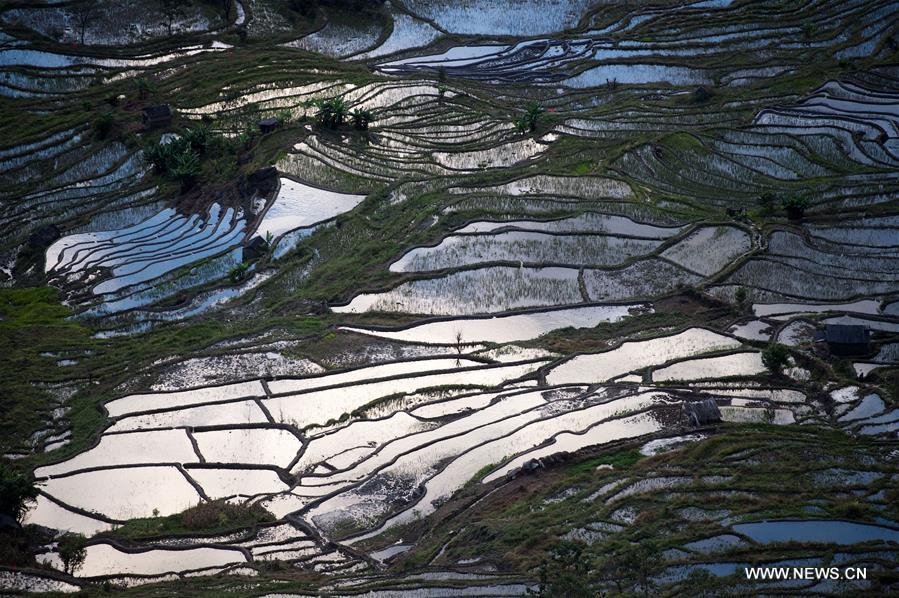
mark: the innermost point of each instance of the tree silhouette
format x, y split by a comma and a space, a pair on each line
83, 14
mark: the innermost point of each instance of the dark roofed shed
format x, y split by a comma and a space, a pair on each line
847, 339
267, 125
157, 116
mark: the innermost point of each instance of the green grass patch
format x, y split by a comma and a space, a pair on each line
206, 518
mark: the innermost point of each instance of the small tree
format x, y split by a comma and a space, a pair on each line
741, 295
795, 206
775, 357
459, 347
565, 574
83, 14
17, 492
629, 565
172, 10
441, 83
809, 30
72, 552
225, 6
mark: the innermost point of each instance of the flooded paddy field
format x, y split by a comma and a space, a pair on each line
448, 298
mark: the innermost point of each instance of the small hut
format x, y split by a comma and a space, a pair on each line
268, 125
156, 117
847, 339
255, 249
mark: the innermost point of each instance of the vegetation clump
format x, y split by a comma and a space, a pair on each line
775, 357
17, 492
741, 296
207, 517
362, 118
145, 87
795, 206
332, 113
238, 272
72, 550
182, 158
104, 124
528, 121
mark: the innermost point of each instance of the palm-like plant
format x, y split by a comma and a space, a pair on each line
332, 113
528, 120
144, 87
185, 168
521, 124
198, 138
532, 113
362, 118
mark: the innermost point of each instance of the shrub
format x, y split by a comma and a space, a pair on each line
521, 124
283, 117
160, 156
775, 357
103, 125
701, 95
198, 138
362, 118
795, 206
237, 272
565, 573
767, 201
17, 492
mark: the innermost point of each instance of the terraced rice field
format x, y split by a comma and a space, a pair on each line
450, 298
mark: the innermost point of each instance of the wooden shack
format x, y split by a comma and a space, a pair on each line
847, 339
156, 117
268, 125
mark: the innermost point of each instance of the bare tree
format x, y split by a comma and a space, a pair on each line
226, 9
83, 14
